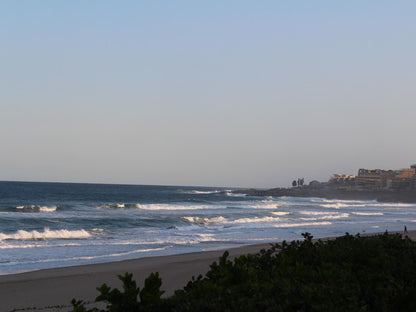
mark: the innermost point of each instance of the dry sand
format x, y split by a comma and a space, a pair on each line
55, 288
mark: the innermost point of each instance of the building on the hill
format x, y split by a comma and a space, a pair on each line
391, 179
369, 178
342, 179
404, 179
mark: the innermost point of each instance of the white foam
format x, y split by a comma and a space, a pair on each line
350, 201
230, 193
174, 207
100, 256
317, 213
113, 206
263, 204
222, 220
377, 204
124, 253
284, 225
327, 217
359, 203
35, 208
255, 220
47, 209
280, 213
24, 246
336, 205
46, 234
200, 192
206, 221
367, 213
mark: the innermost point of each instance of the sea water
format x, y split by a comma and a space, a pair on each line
45, 225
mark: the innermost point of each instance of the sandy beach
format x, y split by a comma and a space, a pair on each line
53, 289
56, 287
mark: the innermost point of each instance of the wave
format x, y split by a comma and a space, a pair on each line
178, 239
59, 260
46, 234
350, 201
367, 213
158, 206
284, 225
317, 213
255, 220
231, 194
206, 221
117, 206
278, 221
36, 208
175, 207
369, 204
222, 220
342, 205
25, 246
280, 213
361, 203
327, 217
47, 209
263, 204
392, 205
200, 192
117, 254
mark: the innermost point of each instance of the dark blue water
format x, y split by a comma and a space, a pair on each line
46, 225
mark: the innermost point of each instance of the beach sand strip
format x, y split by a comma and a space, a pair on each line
53, 289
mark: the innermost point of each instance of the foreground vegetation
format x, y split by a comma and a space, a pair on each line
350, 273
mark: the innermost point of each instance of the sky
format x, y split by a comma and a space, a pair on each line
207, 93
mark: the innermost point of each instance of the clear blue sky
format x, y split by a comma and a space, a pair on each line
221, 93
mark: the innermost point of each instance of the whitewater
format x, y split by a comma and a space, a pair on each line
46, 225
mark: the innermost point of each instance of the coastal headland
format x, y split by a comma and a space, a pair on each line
395, 196
382, 185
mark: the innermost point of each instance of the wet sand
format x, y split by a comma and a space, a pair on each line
55, 288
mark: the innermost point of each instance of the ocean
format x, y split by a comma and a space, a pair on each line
47, 225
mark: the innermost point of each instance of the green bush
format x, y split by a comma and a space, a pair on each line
349, 273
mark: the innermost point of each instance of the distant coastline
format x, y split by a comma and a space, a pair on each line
391, 185
395, 196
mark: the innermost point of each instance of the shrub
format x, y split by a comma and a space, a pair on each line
349, 273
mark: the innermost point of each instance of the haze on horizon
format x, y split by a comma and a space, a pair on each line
236, 93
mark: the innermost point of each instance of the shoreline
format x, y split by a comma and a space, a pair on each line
56, 287
53, 289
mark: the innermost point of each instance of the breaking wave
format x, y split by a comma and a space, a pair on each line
175, 207
230, 193
341, 205
36, 208
317, 213
159, 206
118, 206
255, 220
199, 192
284, 225
280, 213
222, 220
367, 213
26, 246
327, 217
206, 221
44, 235
264, 204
